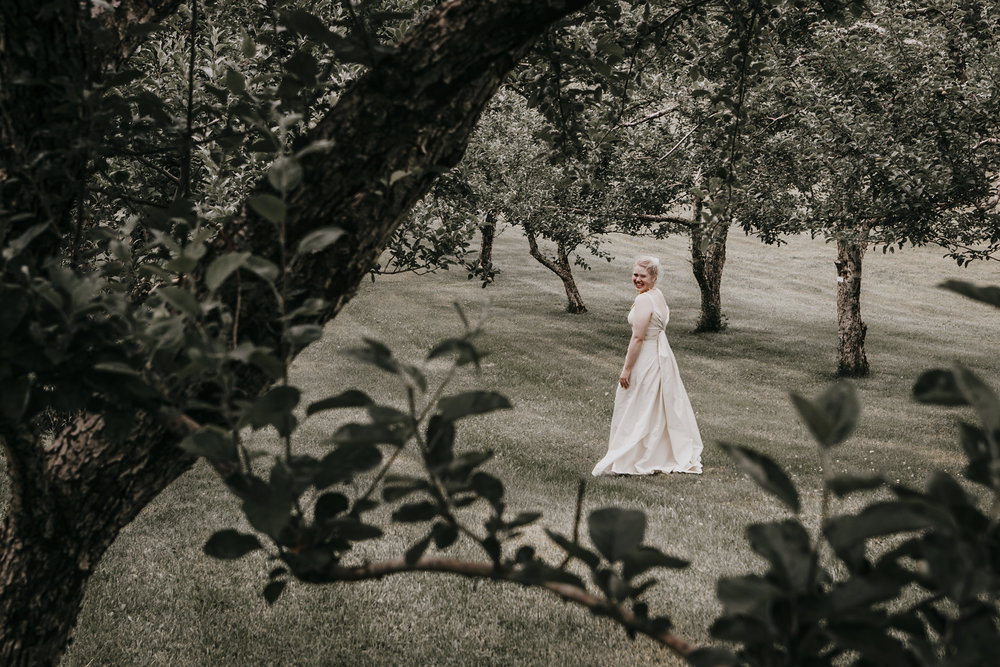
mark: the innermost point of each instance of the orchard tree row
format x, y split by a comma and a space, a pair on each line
878, 130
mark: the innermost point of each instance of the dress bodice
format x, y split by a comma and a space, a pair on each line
657, 321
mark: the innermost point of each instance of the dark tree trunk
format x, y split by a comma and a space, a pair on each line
560, 266
851, 330
413, 113
488, 231
67, 504
708, 257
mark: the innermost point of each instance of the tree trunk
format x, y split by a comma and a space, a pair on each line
67, 504
488, 231
561, 267
708, 257
413, 113
851, 330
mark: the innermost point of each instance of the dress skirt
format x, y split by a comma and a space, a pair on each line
653, 428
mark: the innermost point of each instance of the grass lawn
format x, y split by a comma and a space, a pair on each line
155, 599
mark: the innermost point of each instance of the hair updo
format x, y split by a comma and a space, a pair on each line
651, 264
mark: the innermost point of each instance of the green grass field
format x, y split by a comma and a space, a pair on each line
157, 600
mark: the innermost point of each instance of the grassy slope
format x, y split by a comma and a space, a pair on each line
156, 600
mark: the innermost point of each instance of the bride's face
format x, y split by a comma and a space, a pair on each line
641, 279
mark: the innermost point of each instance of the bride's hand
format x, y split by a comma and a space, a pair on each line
623, 380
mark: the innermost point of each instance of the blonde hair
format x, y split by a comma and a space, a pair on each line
651, 264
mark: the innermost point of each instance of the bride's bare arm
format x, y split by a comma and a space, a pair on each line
643, 311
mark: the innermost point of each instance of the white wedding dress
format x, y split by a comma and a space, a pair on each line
653, 428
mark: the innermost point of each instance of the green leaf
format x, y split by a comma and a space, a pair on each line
269, 513
319, 239
285, 174
414, 553
786, 546
376, 354
301, 335
268, 363
222, 267
440, 441
182, 300
415, 512
582, 554
644, 558
352, 398
350, 528
465, 350
877, 520
749, 595
116, 367
522, 519
235, 82
938, 387
488, 487
397, 488
273, 591
471, 403
269, 207
987, 294
765, 472
833, 415
859, 594
843, 485
444, 534
247, 46
305, 24
370, 434
275, 408
210, 442
615, 532
388, 416
18, 245
612, 585
230, 544
344, 462
267, 270
980, 396
329, 505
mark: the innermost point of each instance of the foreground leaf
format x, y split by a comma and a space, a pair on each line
230, 544
832, 416
616, 532
768, 474
472, 403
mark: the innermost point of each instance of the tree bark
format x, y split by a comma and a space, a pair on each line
561, 267
413, 113
851, 330
488, 231
708, 257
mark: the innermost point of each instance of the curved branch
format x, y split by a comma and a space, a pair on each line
477, 570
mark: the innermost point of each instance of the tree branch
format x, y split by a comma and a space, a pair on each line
476, 570
650, 117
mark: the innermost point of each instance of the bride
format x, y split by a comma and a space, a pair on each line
653, 428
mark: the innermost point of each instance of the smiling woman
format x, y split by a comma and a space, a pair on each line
653, 428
